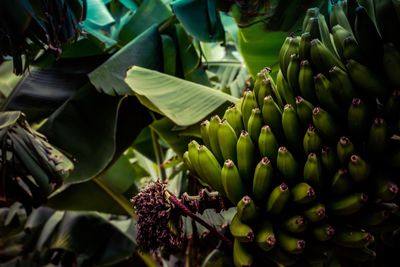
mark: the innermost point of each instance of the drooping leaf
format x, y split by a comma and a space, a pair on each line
98, 15
183, 102
145, 51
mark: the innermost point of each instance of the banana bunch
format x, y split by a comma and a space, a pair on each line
311, 159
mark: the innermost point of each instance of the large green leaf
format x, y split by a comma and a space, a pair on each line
97, 14
183, 102
145, 51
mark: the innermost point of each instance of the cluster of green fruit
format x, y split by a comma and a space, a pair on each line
311, 161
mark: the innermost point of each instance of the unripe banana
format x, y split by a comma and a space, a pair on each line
313, 28
304, 110
325, 94
265, 237
349, 204
356, 256
315, 213
255, 124
193, 153
344, 150
341, 182
245, 160
357, 117
210, 168
328, 159
386, 190
290, 244
265, 89
368, 80
249, 102
227, 140
370, 217
391, 64
350, 238
351, 50
342, 87
267, 144
325, 124
302, 193
234, 118
323, 58
313, 171
311, 141
232, 183
292, 127
258, 82
306, 81
285, 91
247, 211
392, 107
241, 231
305, 46
310, 13
242, 255
293, 48
282, 53
213, 136
272, 115
323, 231
262, 180
295, 224
188, 164
287, 165
359, 169
281, 257
377, 137
205, 135
278, 199
293, 72
339, 34
338, 17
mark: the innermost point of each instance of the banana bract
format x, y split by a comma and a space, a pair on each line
318, 154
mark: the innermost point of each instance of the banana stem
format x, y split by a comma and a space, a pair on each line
158, 154
178, 204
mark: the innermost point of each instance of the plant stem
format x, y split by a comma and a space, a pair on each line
187, 212
158, 154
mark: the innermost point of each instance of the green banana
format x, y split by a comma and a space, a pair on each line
242, 255
351, 50
193, 153
205, 136
391, 64
325, 124
295, 224
342, 86
241, 231
234, 117
210, 168
392, 107
304, 46
293, 48
325, 94
227, 140
370, 218
357, 256
213, 136
272, 115
357, 117
287, 165
249, 102
365, 78
386, 190
310, 13
284, 90
323, 231
302, 193
247, 211
290, 244
324, 32
344, 150
258, 82
339, 35
282, 53
186, 161
278, 199
313, 28
293, 73
323, 58
328, 159
348, 204
265, 237
315, 213
254, 125
341, 182
313, 171
311, 141
359, 169
338, 17
304, 110
265, 89
306, 81
231, 181
281, 257
378, 137
245, 162
262, 180
351, 238
267, 144
292, 127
